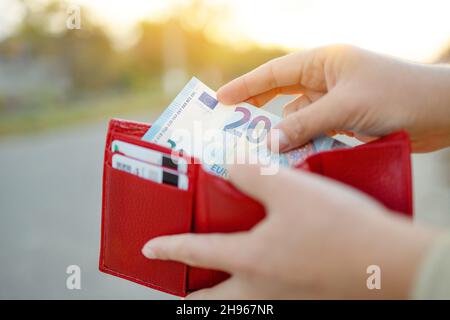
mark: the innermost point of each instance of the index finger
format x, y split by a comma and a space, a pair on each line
279, 72
216, 251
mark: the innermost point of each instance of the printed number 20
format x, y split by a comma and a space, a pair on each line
246, 117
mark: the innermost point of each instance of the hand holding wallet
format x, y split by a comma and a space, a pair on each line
135, 210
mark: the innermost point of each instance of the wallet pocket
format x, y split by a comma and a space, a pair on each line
220, 207
136, 210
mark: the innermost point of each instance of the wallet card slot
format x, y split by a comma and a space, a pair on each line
136, 210
191, 167
132, 132
139, 142
151, 182
190, 174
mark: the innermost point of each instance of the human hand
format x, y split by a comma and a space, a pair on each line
348, 89
317, 240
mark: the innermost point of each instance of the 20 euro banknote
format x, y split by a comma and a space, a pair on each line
217, 134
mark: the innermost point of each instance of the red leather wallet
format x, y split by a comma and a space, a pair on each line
135, 210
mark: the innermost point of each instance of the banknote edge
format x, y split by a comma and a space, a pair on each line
170, 110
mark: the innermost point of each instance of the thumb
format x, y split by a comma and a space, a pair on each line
249, 179
321, 116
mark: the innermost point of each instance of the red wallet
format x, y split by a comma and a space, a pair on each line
135, 210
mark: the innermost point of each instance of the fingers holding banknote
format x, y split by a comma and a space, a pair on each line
344, 88
298, 73
293, 72
261, 99
292, 252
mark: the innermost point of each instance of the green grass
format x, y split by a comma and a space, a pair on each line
113, 105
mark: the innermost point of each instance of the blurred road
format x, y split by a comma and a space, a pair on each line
50, 207
50, 203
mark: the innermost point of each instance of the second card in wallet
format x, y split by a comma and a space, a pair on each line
149, 155
150, 172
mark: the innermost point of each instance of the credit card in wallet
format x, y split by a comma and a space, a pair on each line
149, 155
149, 171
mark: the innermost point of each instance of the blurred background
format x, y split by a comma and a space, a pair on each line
61, 82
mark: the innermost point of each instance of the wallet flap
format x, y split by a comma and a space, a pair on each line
136, 210
381, 169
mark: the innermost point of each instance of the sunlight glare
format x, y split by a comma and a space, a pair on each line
415, 30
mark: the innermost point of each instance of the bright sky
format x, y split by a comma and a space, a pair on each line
414, 29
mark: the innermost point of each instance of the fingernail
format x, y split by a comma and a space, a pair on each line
148, 252
219, 94
283, 141
220, 97
278, 141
